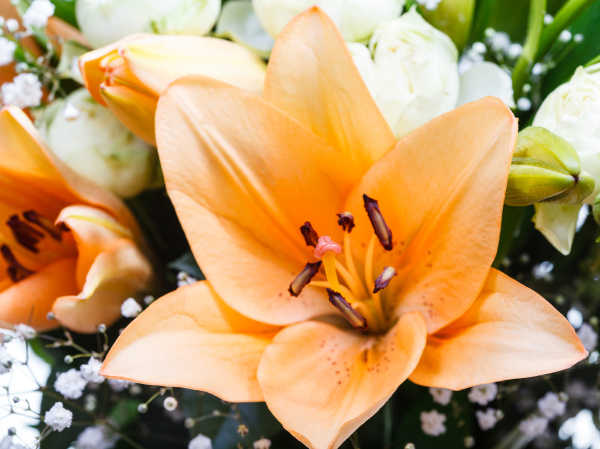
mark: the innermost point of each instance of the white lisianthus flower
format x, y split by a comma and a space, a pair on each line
356, 19
411, 71
483, 79
90, 140
572, 111
105, 21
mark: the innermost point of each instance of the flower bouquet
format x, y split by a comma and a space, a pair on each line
285, 224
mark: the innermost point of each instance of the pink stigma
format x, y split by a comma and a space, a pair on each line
324, 245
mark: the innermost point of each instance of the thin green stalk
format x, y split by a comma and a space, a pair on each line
537, 10
563, 18
354, 441
596, 60
387, 425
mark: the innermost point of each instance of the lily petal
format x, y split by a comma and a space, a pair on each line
557, 222
221, 352
441, 190
322, 382
117, 273
312, 77
244, 177
30, 300
509, 332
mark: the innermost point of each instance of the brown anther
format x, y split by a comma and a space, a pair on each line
46, 224
307, 274
357, 321
15, 270
310, 235
26, 235
384, 278
382, 231
346, 221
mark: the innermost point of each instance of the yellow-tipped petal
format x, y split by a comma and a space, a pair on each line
312, 77
322, 383
134, 109
509, 332
220, 355
158, 60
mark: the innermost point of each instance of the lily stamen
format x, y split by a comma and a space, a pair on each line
46, 224
308, 273
27, 236
15, 270
384, 278
354, 318
382, 230
310, 235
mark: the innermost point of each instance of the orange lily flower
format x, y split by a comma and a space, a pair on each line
129, 75
66, 245
246, 172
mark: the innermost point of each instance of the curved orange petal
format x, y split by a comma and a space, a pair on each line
190, 338
441, 190
322, 382
509, 332
120, 271
29, 300
133, 108
94, 231
312, 77
244, 177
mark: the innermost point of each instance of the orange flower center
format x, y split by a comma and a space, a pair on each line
37, 242
356, 297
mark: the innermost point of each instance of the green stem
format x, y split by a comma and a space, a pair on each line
59, 397
354, 441
537, 10
563, 18
387, 425
596, 60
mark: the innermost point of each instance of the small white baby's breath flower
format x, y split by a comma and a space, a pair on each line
432, 423
7, 51
533, 426
170, 403
263, 443
184, 279
200, 442
486, 420
12, 25
25, 332
483, 394
38, 13
118, 385
441, 395
58, 417
551, 406
96, 437
91, 371
130, 308
25, 91
70, 384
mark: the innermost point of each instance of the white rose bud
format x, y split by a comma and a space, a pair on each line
90, 140
105, 21
356, 19
411, 71
572, 111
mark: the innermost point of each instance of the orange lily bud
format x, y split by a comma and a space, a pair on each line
129, 75
67, 245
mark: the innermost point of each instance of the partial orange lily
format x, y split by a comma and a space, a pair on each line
405, 231
66, 245
129, 75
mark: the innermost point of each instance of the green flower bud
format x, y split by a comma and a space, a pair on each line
546, 168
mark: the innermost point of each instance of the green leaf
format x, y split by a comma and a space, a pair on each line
65, 10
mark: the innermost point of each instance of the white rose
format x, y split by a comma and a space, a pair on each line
572, 111
356, 19
90, 140
411, 71
105, 21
